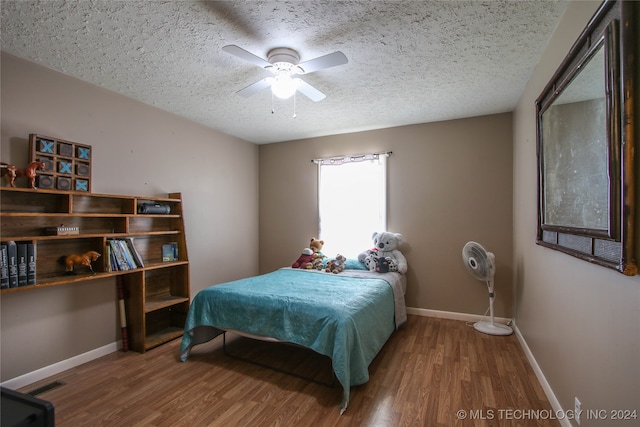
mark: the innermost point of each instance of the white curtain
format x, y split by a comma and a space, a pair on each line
352, 202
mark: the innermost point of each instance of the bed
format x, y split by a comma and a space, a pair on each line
347, 317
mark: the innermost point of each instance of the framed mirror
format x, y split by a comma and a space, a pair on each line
585, 140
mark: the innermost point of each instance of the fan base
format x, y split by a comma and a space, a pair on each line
492, 328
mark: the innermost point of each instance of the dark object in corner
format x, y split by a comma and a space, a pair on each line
20, 409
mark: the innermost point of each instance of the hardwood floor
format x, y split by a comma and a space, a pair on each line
428, 371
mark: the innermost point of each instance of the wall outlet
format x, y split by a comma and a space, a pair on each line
577, 410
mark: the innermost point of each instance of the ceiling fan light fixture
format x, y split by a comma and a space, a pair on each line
284, 63
283, 86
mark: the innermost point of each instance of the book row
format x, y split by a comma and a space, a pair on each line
17, 264
18, 260
122, 255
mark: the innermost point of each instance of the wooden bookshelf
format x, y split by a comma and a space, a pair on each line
156, 296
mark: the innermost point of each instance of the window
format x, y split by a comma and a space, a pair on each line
352, 201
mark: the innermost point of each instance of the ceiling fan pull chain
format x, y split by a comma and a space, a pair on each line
272, 106
294, 105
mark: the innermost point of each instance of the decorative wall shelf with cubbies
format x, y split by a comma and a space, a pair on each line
67, 163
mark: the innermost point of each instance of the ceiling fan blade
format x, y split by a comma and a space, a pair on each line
322, 62
309, 91
247, 56
255, 87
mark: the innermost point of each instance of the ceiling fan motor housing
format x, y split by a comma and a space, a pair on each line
283, 58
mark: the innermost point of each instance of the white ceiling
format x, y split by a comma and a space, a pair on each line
409, 61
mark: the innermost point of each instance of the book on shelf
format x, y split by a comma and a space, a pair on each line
108, 261
170, 252
4, 267
22, 264
120, 261
126, 254
136, 255
114, 260
31, 263
12, 255
120, 264
122, 255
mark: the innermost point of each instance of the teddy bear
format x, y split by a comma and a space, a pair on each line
311, 257
306, 258
316, 245
336, 265
385, 248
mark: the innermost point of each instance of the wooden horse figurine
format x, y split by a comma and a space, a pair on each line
10, 172
69, 261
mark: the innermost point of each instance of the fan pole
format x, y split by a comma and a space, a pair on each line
491, 327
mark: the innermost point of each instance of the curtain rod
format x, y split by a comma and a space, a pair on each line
351, 158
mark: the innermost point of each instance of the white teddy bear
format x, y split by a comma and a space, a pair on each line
385, 249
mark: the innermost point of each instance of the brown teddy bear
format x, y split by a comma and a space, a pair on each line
311, 257
316, 246
336, 265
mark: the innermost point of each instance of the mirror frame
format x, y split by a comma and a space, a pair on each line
614, 29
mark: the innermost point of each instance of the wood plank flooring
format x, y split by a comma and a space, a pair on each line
428, 371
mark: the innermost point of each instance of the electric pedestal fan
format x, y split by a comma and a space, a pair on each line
481, 264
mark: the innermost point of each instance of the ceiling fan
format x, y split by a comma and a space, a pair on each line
283, 62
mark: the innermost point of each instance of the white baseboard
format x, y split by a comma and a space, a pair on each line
56, 368
454, 315
553, 400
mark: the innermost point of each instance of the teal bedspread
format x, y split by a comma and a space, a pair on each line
346, 318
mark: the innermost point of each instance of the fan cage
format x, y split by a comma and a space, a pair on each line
479, 261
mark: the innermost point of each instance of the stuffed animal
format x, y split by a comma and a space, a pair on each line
316, 246
305, 258
385, 246
383, 265
311, 257
369, 258
317, 263
336, 265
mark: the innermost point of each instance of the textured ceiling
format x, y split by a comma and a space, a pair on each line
409, 61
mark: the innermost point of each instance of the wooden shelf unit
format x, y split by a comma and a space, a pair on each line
157, 295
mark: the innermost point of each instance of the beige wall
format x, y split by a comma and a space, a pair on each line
581, 321
449, 182
138, 150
